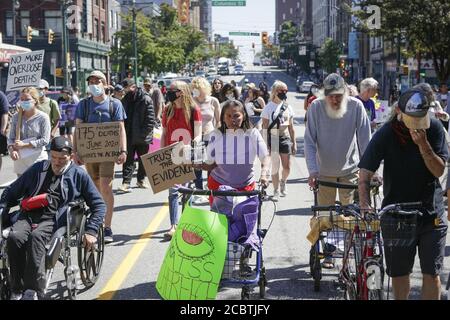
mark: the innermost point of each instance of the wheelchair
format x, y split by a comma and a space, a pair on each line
61, 247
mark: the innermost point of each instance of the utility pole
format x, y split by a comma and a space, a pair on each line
65, 44
135, 43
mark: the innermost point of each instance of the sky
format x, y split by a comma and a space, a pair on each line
256, 16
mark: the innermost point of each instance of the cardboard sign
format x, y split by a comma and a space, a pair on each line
162, 172
383, 111
25, 70
98, 142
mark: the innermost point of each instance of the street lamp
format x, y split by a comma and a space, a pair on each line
15, 7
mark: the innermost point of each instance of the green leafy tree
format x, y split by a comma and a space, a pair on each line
423, 25
329, 56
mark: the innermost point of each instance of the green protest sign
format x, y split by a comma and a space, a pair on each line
194, 262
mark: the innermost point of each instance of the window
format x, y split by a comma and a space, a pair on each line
53, 20
298, 4
111, 22
9, 24
103, 4
96, 33
97, 3
291, 11
284, 16
103, 33
24, 22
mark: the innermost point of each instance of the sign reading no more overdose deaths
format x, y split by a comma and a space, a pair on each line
25, 70
161, 170
98, 142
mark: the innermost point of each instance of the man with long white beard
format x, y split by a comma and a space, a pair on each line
337, 134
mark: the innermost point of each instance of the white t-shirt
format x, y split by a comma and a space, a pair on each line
271, 111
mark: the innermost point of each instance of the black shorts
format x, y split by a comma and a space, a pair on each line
66, 130
400, 252
285, 145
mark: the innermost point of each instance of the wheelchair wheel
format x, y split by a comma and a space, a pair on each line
315, 267
262, 283
90, 262
5, 290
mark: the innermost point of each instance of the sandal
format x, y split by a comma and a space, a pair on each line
328, 263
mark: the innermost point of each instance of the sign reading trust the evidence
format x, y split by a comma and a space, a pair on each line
98, 142
25, 70
161, 170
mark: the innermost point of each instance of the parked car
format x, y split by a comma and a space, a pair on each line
212, 70
223, 70
305, 86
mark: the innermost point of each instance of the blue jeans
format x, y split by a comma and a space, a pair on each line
173, 206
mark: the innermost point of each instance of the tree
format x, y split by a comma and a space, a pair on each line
329, 55
424, 25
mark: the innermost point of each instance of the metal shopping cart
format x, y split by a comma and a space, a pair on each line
244, 264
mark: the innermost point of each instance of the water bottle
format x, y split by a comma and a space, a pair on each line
73, 277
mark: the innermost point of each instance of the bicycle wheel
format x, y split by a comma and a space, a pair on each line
375, 294
315, 266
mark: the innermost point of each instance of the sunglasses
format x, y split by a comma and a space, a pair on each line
282, 91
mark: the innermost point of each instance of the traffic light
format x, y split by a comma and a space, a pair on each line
342, 64
29, 33
51, 36
265, 38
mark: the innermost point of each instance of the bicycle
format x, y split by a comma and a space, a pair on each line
362, 274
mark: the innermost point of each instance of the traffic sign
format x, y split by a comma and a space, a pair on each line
239, 33
229, 3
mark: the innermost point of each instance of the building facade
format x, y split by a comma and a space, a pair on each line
88, 39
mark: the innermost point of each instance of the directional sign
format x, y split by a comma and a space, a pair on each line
248, 34
228, 3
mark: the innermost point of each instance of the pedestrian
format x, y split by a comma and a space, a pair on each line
435, 109
210, 111
312, 95
229, 92
118, 92
254, 104
67, 128
139, 126
49, 106
278, 120
29, 133
367, 90
101, 108
157, 98
337, 134
352, 90
245, 89
264, 91
4, 123
181, 115
414, 150
217, 85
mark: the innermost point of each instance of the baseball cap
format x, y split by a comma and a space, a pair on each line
334, 84
60, 144
414, 106
97, 74
128, 82
148, 81
43, 84
118, 87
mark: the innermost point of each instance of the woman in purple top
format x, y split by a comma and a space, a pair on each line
232, 151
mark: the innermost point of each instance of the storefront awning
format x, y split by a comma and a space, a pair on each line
7, 50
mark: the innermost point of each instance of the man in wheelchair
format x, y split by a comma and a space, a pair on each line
44, 192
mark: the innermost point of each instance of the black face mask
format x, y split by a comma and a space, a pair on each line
282, 96
172, 96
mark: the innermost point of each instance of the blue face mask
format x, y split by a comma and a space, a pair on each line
96, 90
26, 105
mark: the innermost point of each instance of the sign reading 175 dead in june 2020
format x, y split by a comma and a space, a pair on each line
98, 142
163, 172
25, 70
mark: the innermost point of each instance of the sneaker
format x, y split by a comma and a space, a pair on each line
168, 235
275, 196
108, 235
283, 190
125, 188
16, 296
143, 184
30, 295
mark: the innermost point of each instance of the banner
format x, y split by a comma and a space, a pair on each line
193, 265
25, 70
162, 172
98, 142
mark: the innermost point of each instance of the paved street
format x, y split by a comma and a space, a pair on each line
132, 262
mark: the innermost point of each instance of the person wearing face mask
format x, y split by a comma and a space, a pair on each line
229, 92
101, 108
181, 121
210, 110
49, 106
29, 133
139, 126
278, 120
